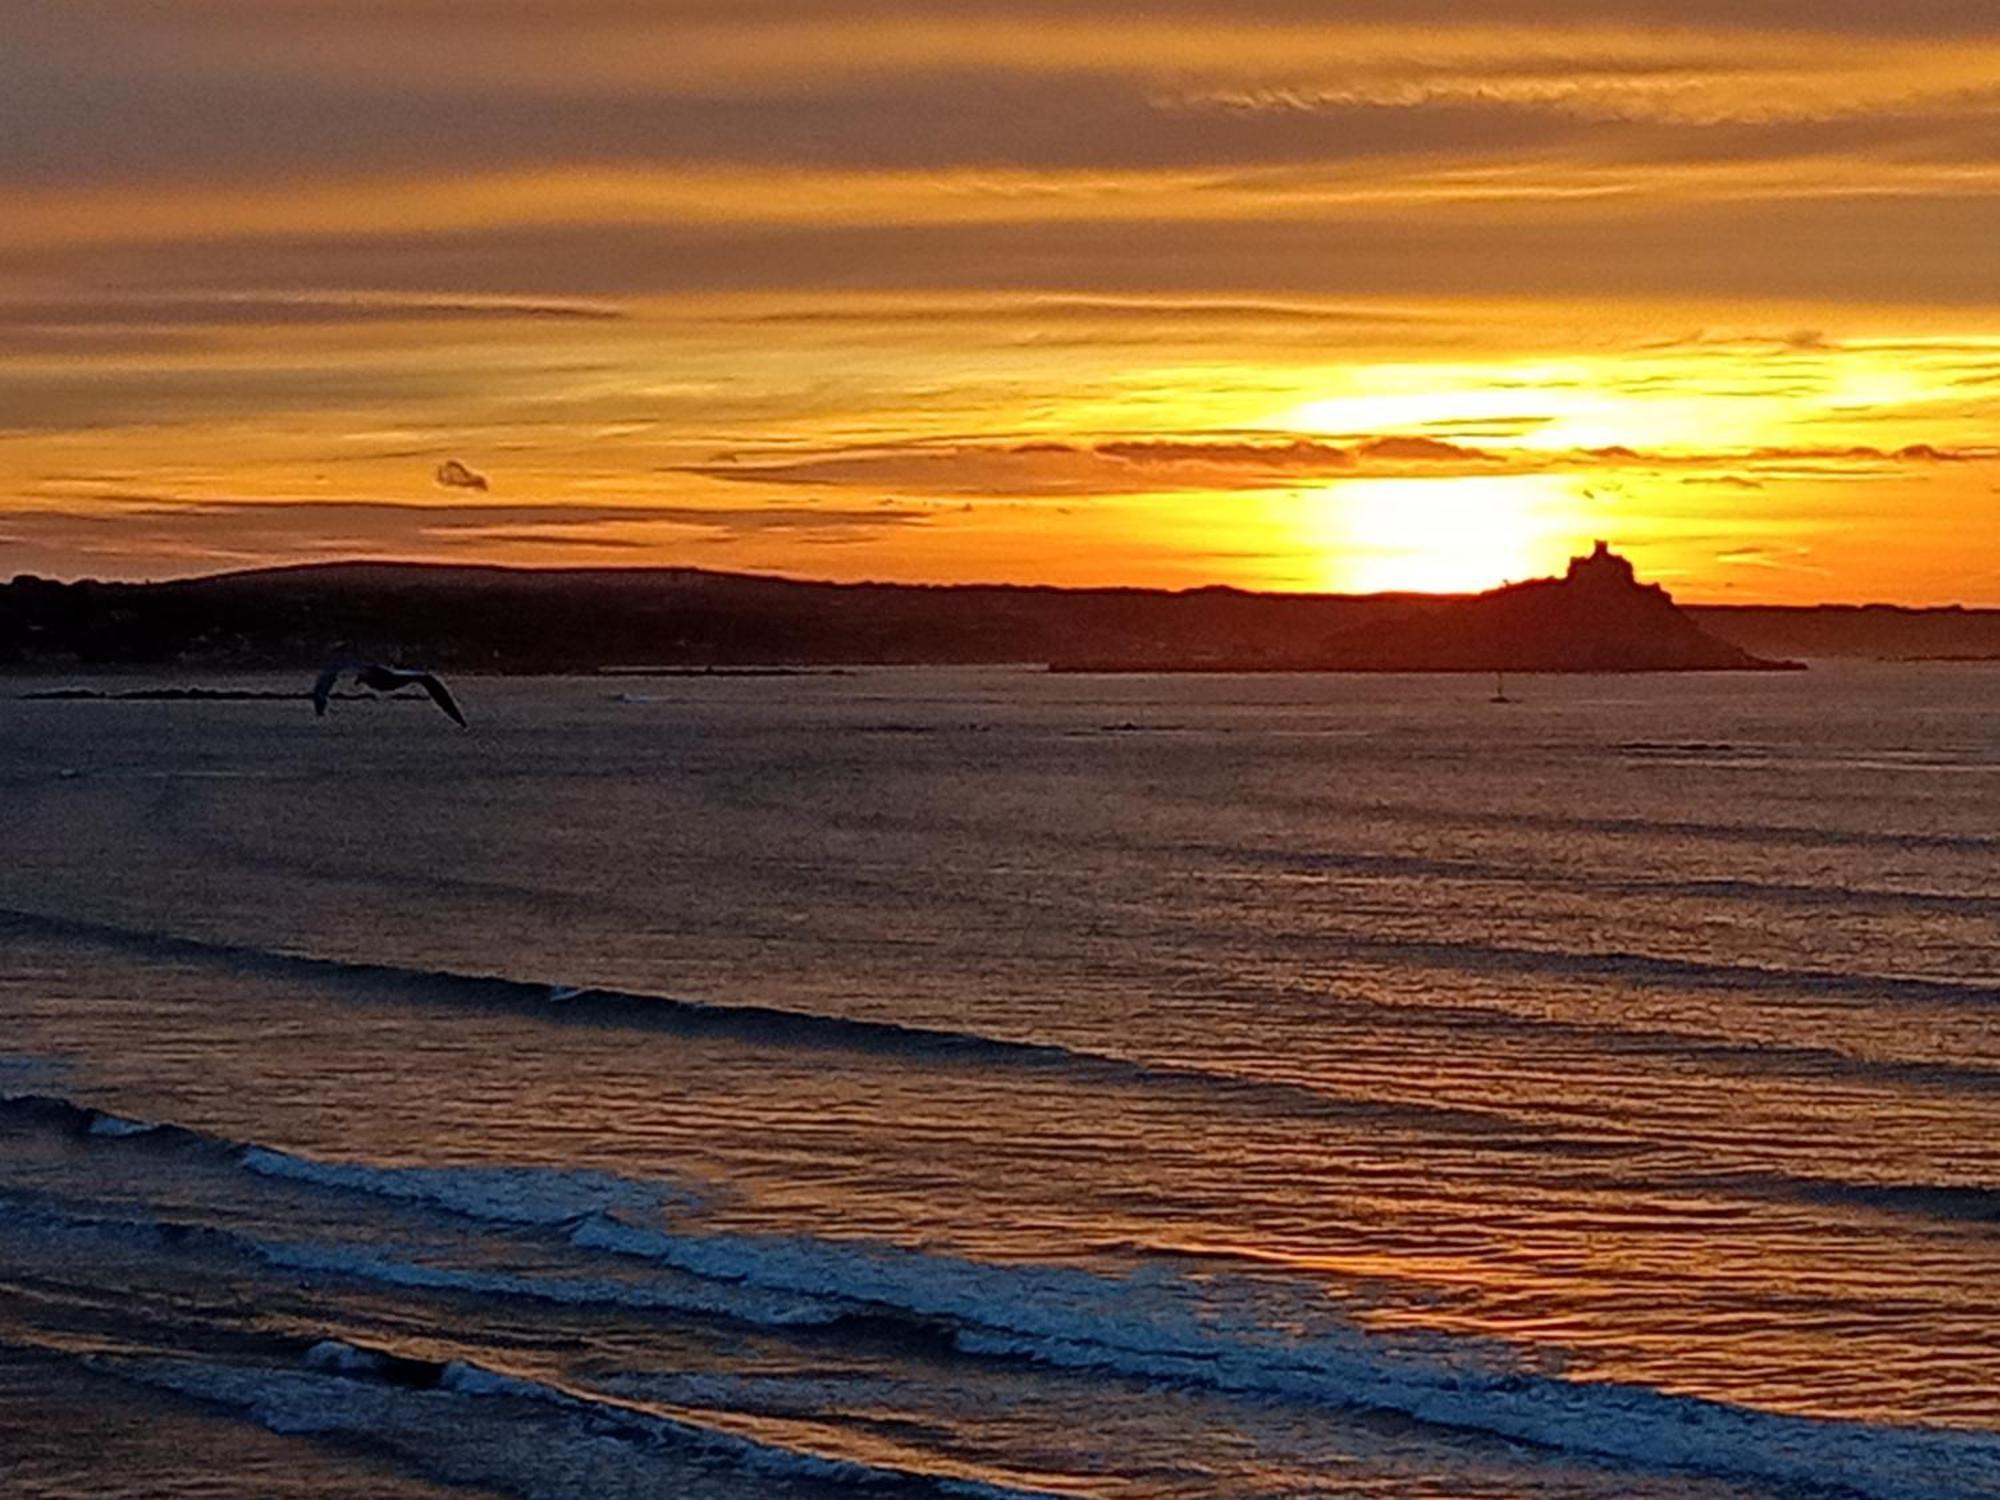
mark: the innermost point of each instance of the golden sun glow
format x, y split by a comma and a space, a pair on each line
1455, 535
1719, 398
1107, 297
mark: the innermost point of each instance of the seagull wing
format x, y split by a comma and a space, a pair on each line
440, 695
323, 688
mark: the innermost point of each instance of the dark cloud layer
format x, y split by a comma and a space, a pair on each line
93, 310
1152, 466
116, 530
453, 475
62, 136
1866, 248
1921, 17
126, 91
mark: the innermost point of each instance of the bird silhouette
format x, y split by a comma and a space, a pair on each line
378, 678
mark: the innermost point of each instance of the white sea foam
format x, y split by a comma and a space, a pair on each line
573, 1442
471, 1379
1156, 1324
1159, 1325
501, 1194
771, 1309
337, 1358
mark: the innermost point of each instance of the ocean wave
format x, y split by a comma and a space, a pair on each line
772, 1026
54, 1112
757, 1025
1654, 969
469, 1378
1156, 1325
1262, 1338
1763, 835
1388, 865
735, 1304
1159, 1327
1145, 1328
1968, 1203
500, 1195
570, 1003
503, 1195
1762, 1056
472, 1423
1325, 809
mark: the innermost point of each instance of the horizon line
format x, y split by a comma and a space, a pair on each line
1217, 587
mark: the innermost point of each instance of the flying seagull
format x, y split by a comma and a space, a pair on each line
380, 679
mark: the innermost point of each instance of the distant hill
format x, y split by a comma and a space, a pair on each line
1884, 632
1598, 618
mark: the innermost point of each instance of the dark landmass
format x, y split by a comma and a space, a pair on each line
1883, 632
1598, 618
200, 695
721, 672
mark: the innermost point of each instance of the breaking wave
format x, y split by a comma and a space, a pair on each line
1264, 1340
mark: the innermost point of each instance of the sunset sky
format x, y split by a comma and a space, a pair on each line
1355, 295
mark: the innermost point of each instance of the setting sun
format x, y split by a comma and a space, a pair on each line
805, 749
1213, 296
1455, 535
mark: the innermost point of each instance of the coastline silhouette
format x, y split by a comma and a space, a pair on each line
1598, 617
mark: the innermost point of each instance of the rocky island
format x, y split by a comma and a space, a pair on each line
1598, 617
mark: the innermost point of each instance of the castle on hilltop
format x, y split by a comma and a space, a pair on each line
1602, 569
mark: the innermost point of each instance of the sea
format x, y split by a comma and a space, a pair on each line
989, 1083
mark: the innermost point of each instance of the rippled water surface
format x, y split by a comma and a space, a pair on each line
965, 1083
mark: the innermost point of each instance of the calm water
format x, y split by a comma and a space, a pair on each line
989, 1083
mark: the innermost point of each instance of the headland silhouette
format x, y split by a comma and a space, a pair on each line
1597, 617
